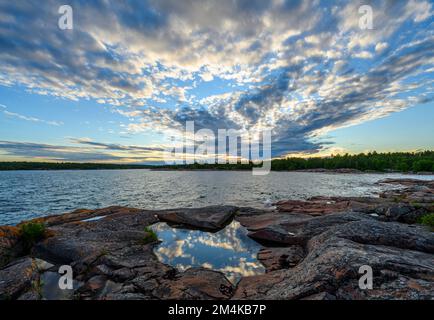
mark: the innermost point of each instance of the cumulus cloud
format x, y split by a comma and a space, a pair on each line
298, 68
379, 47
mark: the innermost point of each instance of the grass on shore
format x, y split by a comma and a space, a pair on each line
151, 235
32, 232
428, 220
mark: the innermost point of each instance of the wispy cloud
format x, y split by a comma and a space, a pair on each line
52, 152
41, 151
115, 147
27, 118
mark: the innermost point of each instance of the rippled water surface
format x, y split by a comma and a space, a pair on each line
27, 194
229, 250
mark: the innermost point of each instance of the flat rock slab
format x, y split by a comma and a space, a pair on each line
212, 218
267, 219
80, 215
10, 245
21, 276
76, 240
280, 258
400, 256
299, 231
405, 205
316, 207
196, 284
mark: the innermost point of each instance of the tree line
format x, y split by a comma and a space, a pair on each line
392, 161
372, 161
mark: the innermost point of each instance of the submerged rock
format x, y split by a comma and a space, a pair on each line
419, 193
408, 182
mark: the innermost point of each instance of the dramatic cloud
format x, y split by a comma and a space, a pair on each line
299, 68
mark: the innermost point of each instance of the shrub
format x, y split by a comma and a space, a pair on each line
32, 232
427, 220
150, 235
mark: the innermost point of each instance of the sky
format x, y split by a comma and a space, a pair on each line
129, 75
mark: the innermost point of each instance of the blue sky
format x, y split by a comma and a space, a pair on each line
130, 74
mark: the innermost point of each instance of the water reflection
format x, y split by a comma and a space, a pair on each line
229, 250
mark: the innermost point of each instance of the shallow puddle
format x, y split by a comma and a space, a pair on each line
50, 287
230, 250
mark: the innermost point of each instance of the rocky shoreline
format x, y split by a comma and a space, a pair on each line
311, 249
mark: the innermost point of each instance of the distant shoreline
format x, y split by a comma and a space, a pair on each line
329, 171
421, 163
325, 171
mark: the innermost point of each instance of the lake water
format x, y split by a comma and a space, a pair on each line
29, 194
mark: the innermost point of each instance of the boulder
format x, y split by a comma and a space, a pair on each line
404, 213
213, 218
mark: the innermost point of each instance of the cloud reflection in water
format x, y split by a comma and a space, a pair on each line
229, 250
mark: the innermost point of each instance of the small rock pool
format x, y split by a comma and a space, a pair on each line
229, 250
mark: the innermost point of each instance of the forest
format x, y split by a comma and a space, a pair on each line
382, 162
